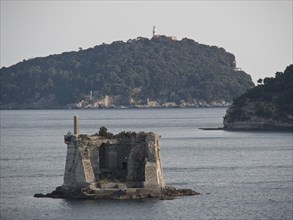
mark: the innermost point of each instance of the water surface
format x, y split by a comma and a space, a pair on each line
240, 175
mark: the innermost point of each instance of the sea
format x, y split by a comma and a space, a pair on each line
239, 175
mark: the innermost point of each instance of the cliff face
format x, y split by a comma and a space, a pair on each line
265, 107
249, 119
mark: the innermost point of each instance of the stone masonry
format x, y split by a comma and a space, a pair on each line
101, 166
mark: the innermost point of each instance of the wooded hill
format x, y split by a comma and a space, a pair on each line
267, 106
159, 69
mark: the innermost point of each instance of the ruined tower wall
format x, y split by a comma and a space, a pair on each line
81, 162
74, 176
113, 160
136, 163
131, 158
78, 169
84, 150
159, 163
93, 154
154, 178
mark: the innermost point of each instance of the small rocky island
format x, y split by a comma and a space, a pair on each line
267, 106
107, 166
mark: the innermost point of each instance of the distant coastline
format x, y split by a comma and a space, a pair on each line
111, 108
276, 129
139, 73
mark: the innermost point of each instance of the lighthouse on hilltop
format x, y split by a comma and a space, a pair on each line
156, 35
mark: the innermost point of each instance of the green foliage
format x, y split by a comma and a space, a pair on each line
274, 99
126, 134
259, 81
262, 111
163, 69
238, 114
104, 133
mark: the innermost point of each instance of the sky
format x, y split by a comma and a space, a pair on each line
258, 33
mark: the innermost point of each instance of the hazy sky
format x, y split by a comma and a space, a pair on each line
258, 33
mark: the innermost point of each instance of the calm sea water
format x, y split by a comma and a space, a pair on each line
240, 175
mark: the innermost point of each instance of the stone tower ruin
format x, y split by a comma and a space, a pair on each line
101, 166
